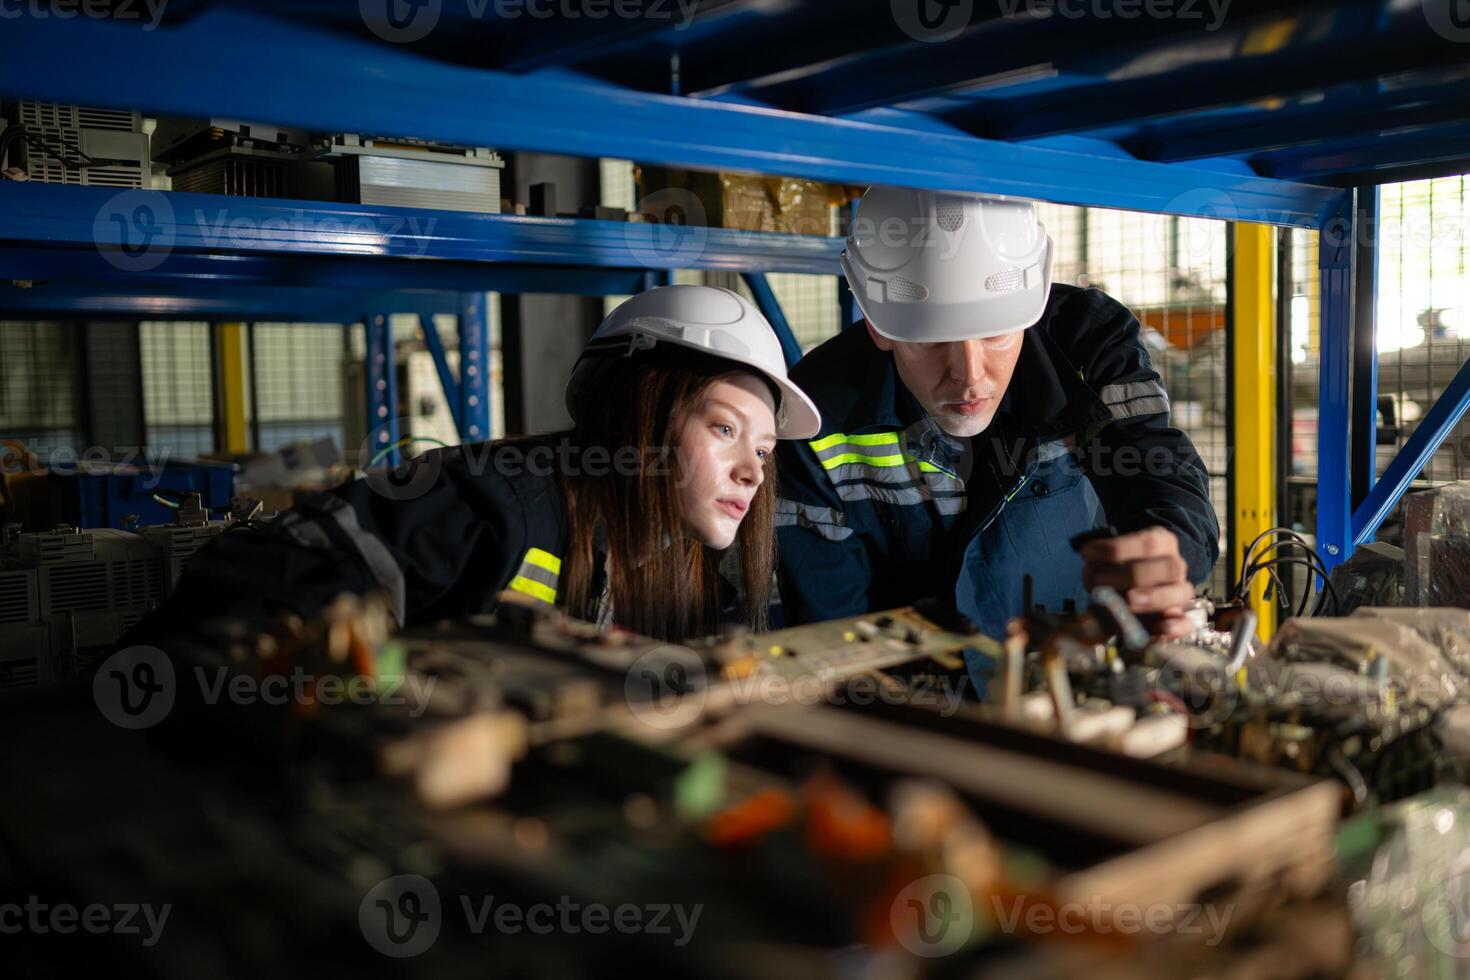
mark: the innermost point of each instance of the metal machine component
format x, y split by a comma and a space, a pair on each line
414, 173
69, 144
68, 595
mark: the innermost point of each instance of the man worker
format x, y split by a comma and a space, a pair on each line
979, 420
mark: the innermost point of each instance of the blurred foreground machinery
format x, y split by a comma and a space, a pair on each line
818, 801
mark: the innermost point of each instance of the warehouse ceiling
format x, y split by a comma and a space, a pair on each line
1334, 93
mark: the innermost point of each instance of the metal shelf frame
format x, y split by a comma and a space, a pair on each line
1287, 116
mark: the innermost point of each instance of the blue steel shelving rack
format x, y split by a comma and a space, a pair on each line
1279, 113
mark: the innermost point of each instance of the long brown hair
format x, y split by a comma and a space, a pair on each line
664, 583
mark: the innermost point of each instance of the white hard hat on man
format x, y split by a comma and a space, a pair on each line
928, 266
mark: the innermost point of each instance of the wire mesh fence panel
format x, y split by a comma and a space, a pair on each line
1172, 273
178, 388
38, 386
1422, 324
1422, 305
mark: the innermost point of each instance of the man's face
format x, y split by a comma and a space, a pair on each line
960, 383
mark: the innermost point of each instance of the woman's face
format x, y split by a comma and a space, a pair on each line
723, 446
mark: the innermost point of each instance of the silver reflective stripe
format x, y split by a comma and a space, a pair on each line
1135, 398
829, 523
1054, 449
909, 495
374, 552
848, 472
536, 573
952, 505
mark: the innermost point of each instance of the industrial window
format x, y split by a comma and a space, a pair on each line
38, 365
178, 388
298, 373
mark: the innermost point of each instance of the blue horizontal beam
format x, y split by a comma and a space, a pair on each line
156, 224
210, 301
323, 81
1268, 127
1314, 46
87, 264
1374, 158
1431, 432
995, 52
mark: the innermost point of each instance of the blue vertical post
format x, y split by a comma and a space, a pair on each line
653, 278
474, 367
1334, 488
381, 380
1365, 344
447, 381
770, 307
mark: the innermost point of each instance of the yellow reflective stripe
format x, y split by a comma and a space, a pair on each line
544, 559
873, 439
828, 442
931, 468
836, 461
868, 439
535, 590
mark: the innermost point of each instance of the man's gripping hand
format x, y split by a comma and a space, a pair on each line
1148, 572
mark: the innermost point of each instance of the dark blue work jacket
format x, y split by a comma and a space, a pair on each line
882, 508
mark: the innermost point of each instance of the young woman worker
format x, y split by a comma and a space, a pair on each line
678, 401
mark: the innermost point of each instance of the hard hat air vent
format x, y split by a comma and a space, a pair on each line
1007, 281
902, 290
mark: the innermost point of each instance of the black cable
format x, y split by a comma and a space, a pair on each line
45, 148
1318, 565
1259, 566
1267, 566
1249, 554
1289, 543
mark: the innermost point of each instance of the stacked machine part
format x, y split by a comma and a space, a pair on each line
80, 145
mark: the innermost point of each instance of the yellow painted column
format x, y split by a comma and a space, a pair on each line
1253, 343
229, 345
